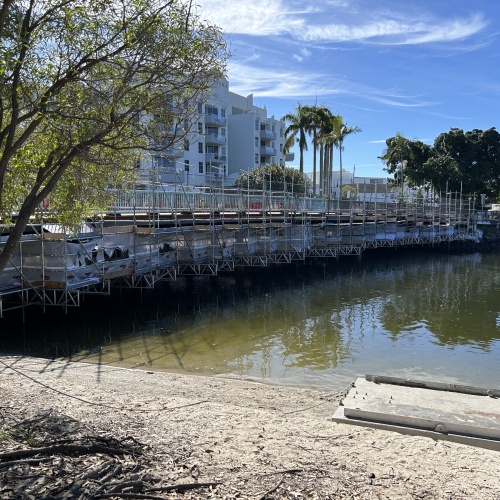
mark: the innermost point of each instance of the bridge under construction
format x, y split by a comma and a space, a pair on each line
149, 236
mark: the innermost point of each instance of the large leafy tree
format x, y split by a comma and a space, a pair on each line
472, 159
77, 79
404, 159
458, 161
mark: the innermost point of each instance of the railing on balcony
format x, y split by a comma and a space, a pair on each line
215, 120
215, 158
267, 151
215, 139
173, 152
267, 134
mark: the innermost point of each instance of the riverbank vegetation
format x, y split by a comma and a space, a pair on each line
84, 87
458, 161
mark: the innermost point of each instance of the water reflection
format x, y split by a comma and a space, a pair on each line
412, 314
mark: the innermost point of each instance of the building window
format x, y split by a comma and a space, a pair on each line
223, 151
200, 147
281, 131
200, 167
223, 132
160, 162
257, 158
200, 108
186, 165
256, 142
281, 148
200, 128
209, 110
186, 145
273, 128
257, 125
223, 113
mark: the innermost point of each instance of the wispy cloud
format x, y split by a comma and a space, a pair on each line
303, 54
395, 32
320, 23
260, 18
265, 82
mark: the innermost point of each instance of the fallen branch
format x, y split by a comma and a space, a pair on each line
272, 490
286, 471
183, 486
173, 487
127, 495
64, 449
35, 461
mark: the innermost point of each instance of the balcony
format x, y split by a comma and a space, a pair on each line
172, 152
215, 158
215, 139
217, 120
169, 129
175, 110
267, 134
267, 151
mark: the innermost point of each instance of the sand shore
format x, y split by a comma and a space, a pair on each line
247, 440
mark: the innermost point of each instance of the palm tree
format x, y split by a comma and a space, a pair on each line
329, 138
342, 133
299, 123
318, 115
289, 143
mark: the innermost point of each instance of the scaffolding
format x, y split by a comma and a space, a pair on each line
160, 235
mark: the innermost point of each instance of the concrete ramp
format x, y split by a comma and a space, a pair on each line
464, 414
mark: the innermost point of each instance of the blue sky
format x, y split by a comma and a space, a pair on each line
387, 66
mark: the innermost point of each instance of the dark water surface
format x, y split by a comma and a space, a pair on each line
322, 323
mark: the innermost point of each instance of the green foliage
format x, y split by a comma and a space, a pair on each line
459, 161
274, 177
296, 130
84, 86
349, 191
328, 131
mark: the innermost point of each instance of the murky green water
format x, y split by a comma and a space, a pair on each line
322, 323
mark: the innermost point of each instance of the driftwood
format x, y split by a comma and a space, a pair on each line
65, 449
174, 487
183, 487
13, 463
272, 490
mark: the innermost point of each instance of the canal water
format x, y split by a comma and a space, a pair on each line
321, 323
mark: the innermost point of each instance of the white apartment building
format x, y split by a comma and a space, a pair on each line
229, 134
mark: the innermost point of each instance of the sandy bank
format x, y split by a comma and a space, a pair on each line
254, 440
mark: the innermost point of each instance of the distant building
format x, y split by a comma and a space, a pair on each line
364, 188
229, 134
373, 189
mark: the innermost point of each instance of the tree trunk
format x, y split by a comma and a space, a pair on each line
16, 233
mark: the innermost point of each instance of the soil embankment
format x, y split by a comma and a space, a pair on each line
164, 435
